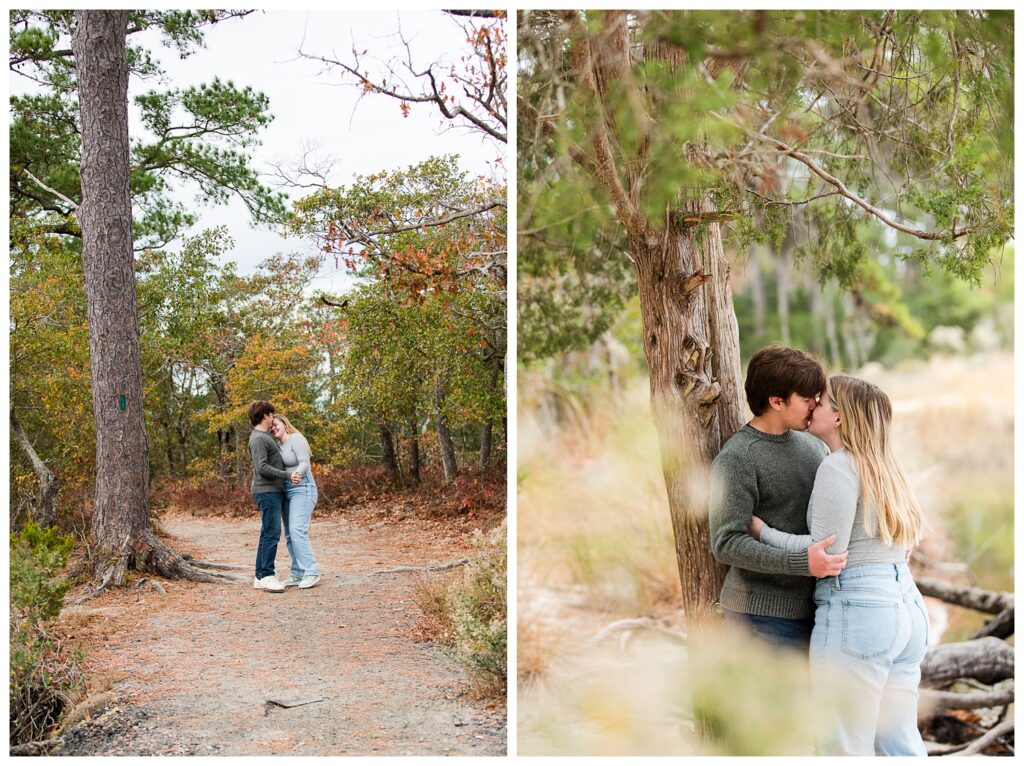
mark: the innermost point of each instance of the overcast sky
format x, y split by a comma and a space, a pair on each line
313, 106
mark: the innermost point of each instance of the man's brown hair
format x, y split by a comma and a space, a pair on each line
258, 411
781, 371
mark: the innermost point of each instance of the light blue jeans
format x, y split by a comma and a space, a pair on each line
301, 499
870, 635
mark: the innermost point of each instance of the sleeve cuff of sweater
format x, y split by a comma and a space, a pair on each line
798, 564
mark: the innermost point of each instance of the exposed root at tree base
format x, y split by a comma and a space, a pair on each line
151, 556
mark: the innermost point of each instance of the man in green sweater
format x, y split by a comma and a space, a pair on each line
268, 476
767, 469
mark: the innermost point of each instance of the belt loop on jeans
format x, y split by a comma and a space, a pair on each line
837, 586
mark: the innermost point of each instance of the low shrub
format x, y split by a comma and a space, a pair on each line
44, 672
467, 613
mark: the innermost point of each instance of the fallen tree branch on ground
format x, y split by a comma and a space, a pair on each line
432, 568
1000, 626
987, 739
978, 599
988, 659
627, 626
934, 699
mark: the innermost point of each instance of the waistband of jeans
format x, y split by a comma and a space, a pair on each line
895, 572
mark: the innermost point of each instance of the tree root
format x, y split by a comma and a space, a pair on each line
433, 568
152, 556
213, 564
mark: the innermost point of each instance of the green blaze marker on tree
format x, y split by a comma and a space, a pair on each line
122, 402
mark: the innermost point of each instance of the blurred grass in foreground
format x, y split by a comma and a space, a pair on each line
595, 545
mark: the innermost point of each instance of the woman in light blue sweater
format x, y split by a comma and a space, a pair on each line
870, 627
302, 497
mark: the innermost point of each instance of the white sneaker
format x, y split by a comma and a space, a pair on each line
291, 581
309, 581
270, 582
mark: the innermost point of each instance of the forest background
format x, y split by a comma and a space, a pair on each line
398, 382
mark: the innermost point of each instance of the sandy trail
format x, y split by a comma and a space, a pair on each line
192, 670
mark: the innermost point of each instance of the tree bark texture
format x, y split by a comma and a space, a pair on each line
487, 433
45, 514
691, 341
122, 468
387, 451
444, 435
414, 451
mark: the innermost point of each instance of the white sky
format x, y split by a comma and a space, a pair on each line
314, 106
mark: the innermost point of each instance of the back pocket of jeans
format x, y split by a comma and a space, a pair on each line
869, 627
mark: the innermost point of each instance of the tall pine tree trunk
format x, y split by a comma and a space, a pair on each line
120, 525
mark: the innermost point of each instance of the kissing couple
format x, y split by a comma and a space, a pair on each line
285, 493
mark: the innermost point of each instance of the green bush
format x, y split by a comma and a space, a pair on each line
480, 615
468, 615
42, 672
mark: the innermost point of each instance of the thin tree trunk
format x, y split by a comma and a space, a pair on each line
835, 353
387, 451
444, 436
120, 523
758, 300
45, 514
782, 288
414, 451
487, 434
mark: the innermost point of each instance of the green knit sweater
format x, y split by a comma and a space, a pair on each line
770, 476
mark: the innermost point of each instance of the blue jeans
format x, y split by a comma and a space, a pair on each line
301, 499
272, 505
781, 632
870, 635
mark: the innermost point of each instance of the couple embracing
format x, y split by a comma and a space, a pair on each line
816, 521
285, 493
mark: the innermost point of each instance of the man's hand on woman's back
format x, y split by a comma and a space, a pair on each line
823, 564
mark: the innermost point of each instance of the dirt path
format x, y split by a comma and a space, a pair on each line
192, 670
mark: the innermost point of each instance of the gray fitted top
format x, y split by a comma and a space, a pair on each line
295, 454
837, 508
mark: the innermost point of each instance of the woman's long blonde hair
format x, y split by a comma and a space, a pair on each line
890, 509
288, 427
